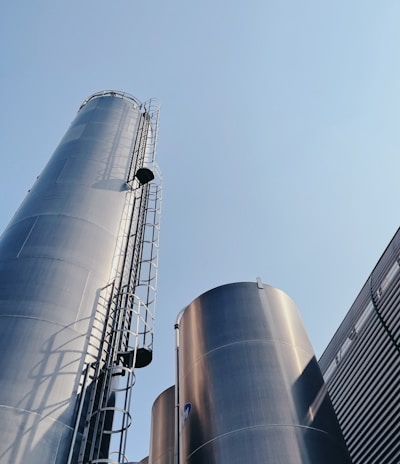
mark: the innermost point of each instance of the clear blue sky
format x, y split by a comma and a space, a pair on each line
279, 139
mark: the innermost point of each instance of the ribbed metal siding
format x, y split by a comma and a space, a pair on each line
55, 256
362, 366
250, 389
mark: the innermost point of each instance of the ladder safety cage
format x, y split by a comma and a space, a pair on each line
123, 328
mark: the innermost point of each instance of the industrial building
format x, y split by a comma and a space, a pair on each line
78, 271
361, 365
78, 275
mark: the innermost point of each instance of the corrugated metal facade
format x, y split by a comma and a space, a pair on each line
361, 366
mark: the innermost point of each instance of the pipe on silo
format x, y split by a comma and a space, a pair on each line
250, 389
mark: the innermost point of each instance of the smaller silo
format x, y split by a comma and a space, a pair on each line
162, 436
143, 461
250, 389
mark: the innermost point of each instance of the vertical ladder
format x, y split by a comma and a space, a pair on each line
126, 326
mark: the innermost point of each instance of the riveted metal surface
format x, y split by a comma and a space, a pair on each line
250, 389
55, 256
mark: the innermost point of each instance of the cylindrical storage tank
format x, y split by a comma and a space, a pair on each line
250, 389
162, 435
143, 461
55, 256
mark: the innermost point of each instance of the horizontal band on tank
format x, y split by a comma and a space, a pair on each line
27, 411
22, 316
248, 341
9, 235
265, 426
111, 93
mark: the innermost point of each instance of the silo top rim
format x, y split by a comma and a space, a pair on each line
112, 93
163, 393
257, 283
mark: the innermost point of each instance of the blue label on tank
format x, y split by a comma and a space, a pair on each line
185, 413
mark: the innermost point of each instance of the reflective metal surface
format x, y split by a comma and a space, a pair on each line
250, 389
55, 256
162, 438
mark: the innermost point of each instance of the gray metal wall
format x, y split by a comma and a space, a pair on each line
250, 389
361, 365
162, 437
55, 256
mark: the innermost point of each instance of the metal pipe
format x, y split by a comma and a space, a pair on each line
177, 389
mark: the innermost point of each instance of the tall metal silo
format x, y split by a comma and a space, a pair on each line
162, 435
249, 386
78, 268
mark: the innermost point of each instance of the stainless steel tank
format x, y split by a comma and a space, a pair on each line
162, 436
250, 389
143, 461
56, 255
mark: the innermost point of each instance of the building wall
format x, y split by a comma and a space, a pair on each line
55, 257
361, 366
250, 389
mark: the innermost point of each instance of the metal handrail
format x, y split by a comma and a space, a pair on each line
111, 93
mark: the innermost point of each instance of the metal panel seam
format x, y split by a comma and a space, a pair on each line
259, 427
36, 414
